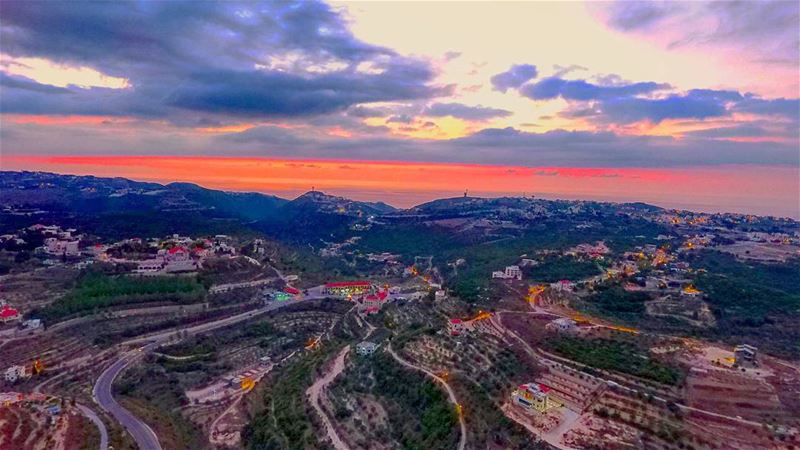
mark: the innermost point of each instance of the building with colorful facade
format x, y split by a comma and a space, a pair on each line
347, 288
532, 396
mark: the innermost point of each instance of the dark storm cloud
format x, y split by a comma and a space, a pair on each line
514, 77
462, 111
249, 59
554, 87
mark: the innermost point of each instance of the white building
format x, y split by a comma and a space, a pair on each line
440, 295
32, 324
510, 273
513, 272
55, 246
745, 355
150, 266
563, 286
366, 348
563, 324
15, 373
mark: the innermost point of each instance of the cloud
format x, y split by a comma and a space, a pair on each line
22, 83
267, 59
639, 15
767, 29
630, 109
620, 102
554, 87
514, 77
365, 112
787, 107
401, 118
266, 135
462, 111
729, 132
502, 146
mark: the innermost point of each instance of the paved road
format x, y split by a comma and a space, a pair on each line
144, 436
164, 336
99, 423
463, 441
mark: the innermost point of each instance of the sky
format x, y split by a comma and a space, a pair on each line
689, 105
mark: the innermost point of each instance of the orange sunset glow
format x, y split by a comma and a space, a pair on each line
678, 103
406, 184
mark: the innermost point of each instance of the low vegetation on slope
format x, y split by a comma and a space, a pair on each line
97, 291
420, 414
285, 417
753, 302
617, 356
557, 268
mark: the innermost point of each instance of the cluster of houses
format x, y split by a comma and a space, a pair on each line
180, 254
332, 249
58, 242
9, 314
172, 260
592, 251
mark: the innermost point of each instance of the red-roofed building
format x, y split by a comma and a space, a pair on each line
370, 310
7, 314
291, 290
347, 288
532, 396
372, 303
177, 252
458, 326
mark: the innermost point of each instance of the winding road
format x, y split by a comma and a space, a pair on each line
463, 441
144, 436
91, 415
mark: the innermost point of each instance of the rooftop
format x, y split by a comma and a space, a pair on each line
347, 284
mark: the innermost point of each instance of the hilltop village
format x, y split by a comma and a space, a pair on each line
513, 323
